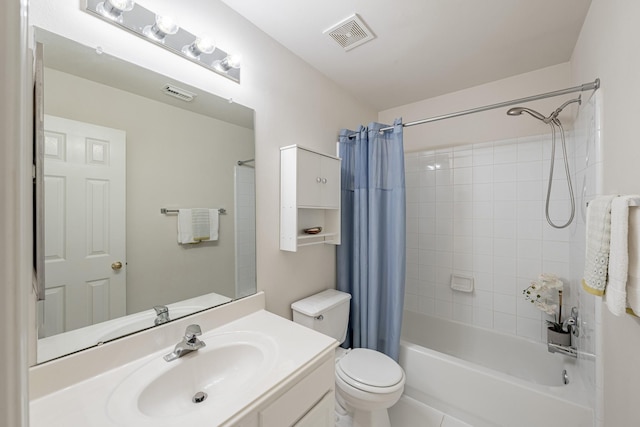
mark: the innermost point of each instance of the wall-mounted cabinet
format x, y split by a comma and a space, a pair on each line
309, 197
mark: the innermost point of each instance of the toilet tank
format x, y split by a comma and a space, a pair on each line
326, 312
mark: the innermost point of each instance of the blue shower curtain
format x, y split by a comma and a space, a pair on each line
371, 258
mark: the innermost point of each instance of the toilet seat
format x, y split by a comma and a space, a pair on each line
370, 371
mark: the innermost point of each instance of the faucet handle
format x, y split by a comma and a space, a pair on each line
161, 309
192, 332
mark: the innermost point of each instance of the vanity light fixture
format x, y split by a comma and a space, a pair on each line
165, 32
113, 9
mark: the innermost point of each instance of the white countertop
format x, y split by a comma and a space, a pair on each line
85, 403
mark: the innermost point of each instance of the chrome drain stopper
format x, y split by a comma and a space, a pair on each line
199, 397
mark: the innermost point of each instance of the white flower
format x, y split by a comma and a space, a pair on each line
542, 293
550, 281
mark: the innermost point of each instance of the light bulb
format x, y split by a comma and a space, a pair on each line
164, 26
199, 46
113, 9
229, 62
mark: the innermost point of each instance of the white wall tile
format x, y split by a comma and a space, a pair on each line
504, 322
463, 176
483, 317
530, 229
505, 172
505, 153
504, 209
504, 284
483, 174
529, 190
529, 328
482, 156
504, 303
481, 213
529, 171
504, 247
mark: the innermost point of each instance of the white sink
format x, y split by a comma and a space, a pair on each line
229, 366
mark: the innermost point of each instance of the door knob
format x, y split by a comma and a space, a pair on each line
116, 265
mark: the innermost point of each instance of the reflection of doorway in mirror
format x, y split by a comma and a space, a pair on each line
245, 211
84, 197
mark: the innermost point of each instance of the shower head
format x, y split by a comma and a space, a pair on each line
553, 117
516, 111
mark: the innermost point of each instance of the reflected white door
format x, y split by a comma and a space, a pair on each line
84, 192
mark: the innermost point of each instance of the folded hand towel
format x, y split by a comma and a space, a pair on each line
185, 229
197, 225
200, 224
598, 239
616, 291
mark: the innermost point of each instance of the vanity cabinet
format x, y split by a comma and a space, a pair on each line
307, 401
309, 197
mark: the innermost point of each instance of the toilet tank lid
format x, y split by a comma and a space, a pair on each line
319, 303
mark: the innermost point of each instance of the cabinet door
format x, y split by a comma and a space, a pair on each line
330, 179
309, 168
320, 415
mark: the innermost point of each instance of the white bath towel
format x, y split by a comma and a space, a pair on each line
197, 225
598, 238
616, 290
633, 277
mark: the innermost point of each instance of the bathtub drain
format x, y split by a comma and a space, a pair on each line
199, 397
565, 377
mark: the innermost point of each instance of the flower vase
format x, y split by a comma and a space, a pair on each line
560, 338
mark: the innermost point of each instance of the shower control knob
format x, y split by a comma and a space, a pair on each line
324, 180
318, 180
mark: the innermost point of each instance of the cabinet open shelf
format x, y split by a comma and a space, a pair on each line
309, 197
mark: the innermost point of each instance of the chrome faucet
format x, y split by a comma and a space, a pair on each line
189, 343
570, 324
162, 313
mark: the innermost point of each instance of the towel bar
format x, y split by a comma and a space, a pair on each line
166, 211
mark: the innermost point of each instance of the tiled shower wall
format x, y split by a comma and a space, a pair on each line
478, 210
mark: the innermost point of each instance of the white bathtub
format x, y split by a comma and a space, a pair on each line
489, 379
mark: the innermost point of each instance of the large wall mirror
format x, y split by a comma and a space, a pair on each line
121, 143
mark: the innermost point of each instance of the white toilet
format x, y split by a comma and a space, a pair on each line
367, 381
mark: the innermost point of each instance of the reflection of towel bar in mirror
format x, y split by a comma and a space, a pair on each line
166, 211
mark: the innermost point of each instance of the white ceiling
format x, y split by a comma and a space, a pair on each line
423, 48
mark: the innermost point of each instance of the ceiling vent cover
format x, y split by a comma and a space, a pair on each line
179, 93
350, 33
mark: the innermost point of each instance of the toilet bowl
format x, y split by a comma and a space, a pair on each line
367, 382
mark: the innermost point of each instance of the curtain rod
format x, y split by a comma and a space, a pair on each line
583, 87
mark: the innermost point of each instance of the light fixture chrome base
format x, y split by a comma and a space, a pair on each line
135, 21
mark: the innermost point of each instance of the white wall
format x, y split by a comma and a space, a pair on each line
608, 48
293, 102
486, 126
